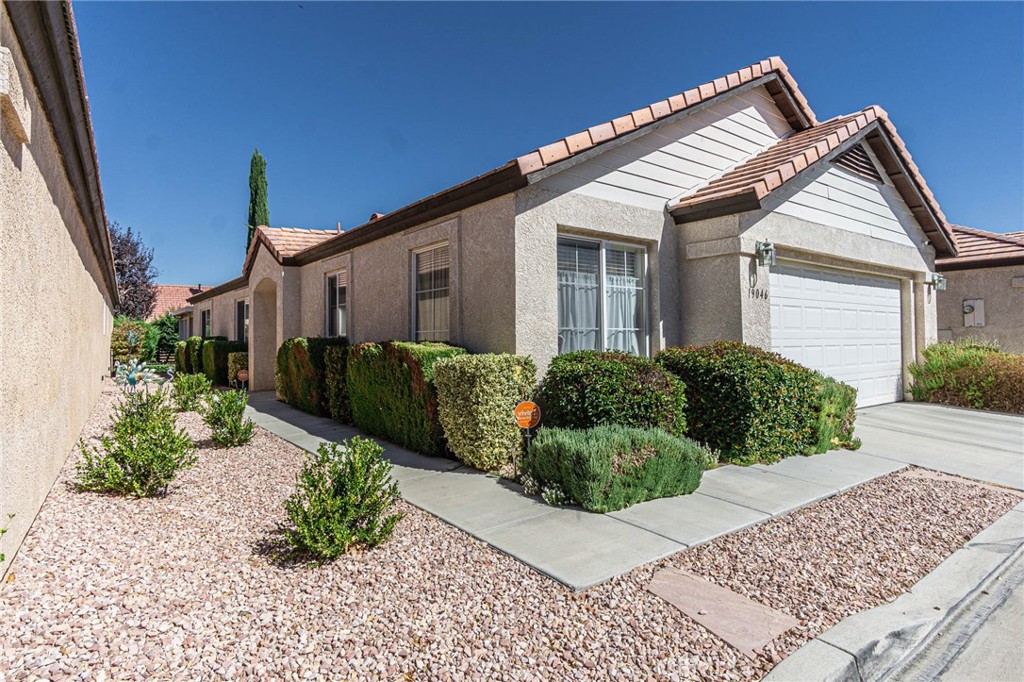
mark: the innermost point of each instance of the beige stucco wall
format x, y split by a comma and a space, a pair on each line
222, 313
543, 214
56, 312
1004, 305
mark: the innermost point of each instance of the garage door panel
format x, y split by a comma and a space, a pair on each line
845, 325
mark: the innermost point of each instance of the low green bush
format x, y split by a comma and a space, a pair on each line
969, 373
225, 415
215, 358
612, 467
835, 407
236, 362
589, 388
391, 391
181, 363
344, 497
300, 370
189, 391
144, 453
476, 397
749, 404
194, 354
336, 383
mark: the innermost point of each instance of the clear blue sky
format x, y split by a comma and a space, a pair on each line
361, 108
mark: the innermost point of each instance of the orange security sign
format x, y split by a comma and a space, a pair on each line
527, 414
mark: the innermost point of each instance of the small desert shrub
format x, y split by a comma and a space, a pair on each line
343, 498
476, 396
970, 373
336, 383
391, 391
299, 372
835, 405
225, 415
144, 452
189, 391
750, 404
612, 467
589, 388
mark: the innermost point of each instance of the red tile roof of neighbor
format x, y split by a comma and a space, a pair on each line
171, 297
752, 180
982, 249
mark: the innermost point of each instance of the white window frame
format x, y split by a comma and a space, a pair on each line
602, 313
413, 279
245, 328
327, 298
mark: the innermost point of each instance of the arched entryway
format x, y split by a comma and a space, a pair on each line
263, 335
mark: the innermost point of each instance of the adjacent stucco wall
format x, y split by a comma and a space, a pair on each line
222, 313
541, 216
1004, 305
56, 311
275, 297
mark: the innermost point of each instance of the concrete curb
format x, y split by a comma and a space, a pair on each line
873, 644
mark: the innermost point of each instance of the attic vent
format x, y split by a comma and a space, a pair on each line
857, 161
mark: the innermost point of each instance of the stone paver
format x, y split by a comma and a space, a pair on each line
581, 549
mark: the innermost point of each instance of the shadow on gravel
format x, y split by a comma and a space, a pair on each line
272, 546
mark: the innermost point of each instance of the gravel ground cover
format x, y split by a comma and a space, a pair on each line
188, 586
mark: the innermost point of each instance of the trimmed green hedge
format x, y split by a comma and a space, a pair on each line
299, 374
970, 373
476, 398
336, 384
236, 362
390, 389
181, 365
607, 468
194, 354
835, 405
589, 388
215, 359
750, 404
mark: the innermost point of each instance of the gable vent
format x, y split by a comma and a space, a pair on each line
857, 161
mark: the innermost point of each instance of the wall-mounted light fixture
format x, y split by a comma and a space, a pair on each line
765, 253
938, 281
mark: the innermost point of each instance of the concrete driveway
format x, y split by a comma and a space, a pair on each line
981, 445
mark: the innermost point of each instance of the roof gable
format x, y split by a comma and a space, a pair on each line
284, 243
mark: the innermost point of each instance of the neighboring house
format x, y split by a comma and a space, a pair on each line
660, 227
171, 297
59, 288
984, 298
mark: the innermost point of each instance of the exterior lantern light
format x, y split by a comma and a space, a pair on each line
938, 281
765, 253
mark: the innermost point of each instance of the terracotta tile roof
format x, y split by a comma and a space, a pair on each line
787, 95
979, 249
284, 242
745, 186
171, 297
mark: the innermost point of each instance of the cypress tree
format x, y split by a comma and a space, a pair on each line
259, 210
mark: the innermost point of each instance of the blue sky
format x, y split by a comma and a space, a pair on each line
361, 108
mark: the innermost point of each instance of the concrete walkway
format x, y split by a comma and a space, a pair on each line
580, 549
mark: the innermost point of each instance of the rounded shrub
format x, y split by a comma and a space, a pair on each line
589, 388
225, 415
476, 397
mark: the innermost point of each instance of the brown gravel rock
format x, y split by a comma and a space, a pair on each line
183, 586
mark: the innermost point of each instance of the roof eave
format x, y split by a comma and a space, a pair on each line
224, 288
968, 263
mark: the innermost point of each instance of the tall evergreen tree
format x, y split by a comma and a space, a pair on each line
259, 209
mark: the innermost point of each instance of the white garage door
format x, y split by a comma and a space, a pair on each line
846, 326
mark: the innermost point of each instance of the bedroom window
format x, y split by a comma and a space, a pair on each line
337, 303
431, 296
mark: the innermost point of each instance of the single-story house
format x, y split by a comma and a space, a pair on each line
170, 298
59, 287
984, 298
727, 211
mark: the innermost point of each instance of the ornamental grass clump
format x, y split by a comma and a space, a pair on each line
225, 415
969, 373
190, 391
344, 498
144, 452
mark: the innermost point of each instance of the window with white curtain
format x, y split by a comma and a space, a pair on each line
337, 304
430, 298
602, 300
